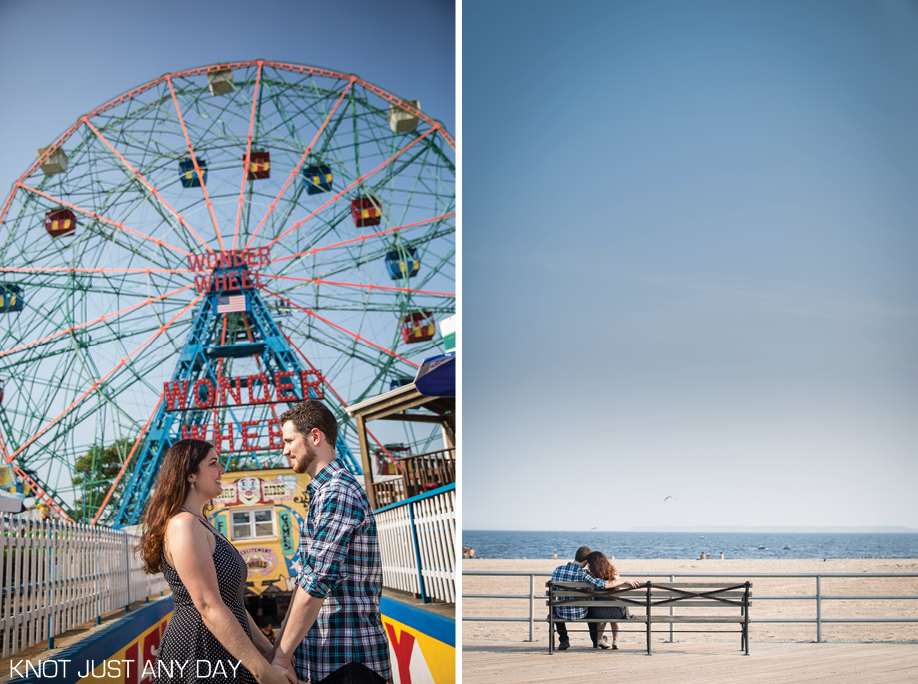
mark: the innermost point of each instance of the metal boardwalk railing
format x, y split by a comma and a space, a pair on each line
818, 597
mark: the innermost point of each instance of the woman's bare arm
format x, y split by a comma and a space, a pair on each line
190, 550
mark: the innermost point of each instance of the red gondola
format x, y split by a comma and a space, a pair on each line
365, 212
260, 166
59, 223
418, 327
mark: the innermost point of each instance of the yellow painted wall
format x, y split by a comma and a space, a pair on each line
271, 560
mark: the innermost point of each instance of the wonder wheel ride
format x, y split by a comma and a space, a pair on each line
202, 251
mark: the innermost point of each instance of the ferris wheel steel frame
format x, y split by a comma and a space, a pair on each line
281, 354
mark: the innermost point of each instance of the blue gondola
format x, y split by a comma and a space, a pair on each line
403, 262
187, 174
317, 179
10, 298
395, 383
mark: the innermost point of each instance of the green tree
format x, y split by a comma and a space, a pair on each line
96, 472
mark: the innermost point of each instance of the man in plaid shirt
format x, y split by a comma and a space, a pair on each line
333, 626
574, 572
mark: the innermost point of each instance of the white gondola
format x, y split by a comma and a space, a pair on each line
401, 121
55, 163
220, 82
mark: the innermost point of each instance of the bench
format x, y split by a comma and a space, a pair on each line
651, 603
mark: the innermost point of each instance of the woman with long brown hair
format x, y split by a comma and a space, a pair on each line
599, 566
210, 635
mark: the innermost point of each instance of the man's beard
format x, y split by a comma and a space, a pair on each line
301, 464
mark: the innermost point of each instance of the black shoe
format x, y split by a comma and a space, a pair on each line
564, 645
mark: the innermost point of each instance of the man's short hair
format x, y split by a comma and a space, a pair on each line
582, 553
310, 414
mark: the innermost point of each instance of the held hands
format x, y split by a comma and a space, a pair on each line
278, 675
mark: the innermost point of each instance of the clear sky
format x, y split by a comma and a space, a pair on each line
60, 59
690, 233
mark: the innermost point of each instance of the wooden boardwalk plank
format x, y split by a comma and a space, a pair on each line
693, 663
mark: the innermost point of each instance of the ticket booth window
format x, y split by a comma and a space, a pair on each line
254, 523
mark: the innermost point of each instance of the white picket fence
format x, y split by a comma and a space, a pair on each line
417, 542
57, 576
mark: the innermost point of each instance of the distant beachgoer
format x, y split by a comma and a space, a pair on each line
465, 551
555, 555
471, 553
599, 566
701, 557
708, 556
721, 555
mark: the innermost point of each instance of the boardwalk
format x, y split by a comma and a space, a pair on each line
493, 662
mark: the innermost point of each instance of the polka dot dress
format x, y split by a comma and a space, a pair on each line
187, 641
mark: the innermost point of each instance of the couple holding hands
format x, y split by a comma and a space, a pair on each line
333, 631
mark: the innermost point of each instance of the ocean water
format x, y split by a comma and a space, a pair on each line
688, 545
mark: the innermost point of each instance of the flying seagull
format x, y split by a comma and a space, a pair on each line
592, 528
668, 498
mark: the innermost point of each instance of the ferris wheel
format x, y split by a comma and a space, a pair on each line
203, 250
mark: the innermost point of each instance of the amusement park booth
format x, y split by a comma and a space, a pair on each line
431, 398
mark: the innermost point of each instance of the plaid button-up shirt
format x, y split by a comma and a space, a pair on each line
572, 572
341, 564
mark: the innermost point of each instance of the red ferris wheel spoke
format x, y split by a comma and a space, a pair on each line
248, 156
98, 382
364, 238
121, 226
117, 479
371, 287
328, 384
357, 337
197, 169
146, 183
296, 169
100, 319
352, 185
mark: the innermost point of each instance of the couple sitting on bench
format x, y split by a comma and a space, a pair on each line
594, 568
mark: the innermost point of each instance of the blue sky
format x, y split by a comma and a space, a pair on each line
689, 238
60, 59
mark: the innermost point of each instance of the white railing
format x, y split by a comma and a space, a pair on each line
417, 542
56, 576
818, 598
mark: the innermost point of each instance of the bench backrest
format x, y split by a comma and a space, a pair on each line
662, 595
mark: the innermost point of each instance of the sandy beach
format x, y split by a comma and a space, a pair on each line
762, 608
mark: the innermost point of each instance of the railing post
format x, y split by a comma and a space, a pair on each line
818, 609
531, 604
97, 542
50, 597
417, 551
649, 585
672, 611
127, 570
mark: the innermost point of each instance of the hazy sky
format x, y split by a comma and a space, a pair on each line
690, 233
60, 59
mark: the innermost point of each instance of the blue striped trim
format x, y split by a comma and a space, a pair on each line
432, 624
101, 645
419, 497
